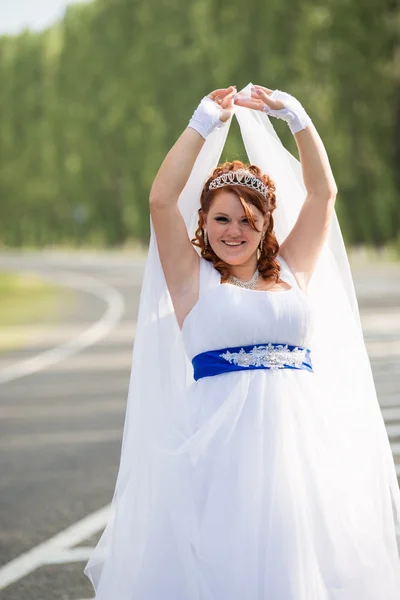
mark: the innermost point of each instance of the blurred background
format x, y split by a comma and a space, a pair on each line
90, 106
92, 96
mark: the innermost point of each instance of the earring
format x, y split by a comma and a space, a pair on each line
262, 240
205, 237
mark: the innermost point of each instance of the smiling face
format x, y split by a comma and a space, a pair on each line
230, 233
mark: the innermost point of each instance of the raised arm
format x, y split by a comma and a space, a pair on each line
179, 260
305, 241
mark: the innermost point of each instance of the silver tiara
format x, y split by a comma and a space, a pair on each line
239, 177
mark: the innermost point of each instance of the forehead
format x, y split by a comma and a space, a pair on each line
227, 202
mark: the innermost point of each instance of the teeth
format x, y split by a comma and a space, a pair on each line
233, 243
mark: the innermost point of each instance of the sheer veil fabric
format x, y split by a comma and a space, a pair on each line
154, 456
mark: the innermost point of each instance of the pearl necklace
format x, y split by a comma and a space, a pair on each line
248, 285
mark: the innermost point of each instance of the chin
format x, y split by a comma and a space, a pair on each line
235, 261
231, 259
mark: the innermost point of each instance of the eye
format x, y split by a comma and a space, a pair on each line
245, 221
221, 219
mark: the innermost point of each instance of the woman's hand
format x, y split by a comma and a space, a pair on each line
213, 111
260, 96
224, 98
277, 104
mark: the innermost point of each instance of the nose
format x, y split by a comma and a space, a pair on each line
235, 229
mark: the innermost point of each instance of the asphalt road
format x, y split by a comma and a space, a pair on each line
61, 425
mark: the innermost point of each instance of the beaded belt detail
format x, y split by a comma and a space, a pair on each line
269, 356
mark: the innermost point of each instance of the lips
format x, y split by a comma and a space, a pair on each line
232, 244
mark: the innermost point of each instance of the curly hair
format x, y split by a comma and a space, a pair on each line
267, 264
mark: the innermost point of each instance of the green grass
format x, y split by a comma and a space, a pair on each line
25, 299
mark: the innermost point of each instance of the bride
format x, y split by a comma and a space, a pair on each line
255, 462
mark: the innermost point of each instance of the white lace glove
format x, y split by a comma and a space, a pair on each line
206, 117
293, 113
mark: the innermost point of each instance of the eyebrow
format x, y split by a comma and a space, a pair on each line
221, 214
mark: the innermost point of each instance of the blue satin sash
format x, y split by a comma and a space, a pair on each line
242, 358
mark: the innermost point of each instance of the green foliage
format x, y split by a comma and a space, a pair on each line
90, 107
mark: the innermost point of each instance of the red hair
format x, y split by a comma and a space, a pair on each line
268, 266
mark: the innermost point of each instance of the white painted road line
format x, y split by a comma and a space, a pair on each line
59, 548
54, 547
89, 337
79, 554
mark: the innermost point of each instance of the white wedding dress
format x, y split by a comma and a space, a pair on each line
258, 484
260, 501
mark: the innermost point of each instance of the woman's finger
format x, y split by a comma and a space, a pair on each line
265, 89
229, 93
227, 101
216, 93
259, 93
221, 92
266, 98
254, 103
